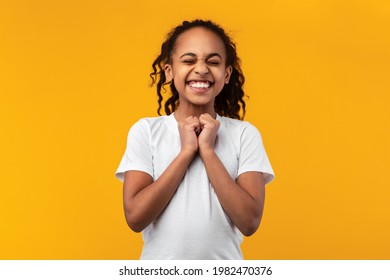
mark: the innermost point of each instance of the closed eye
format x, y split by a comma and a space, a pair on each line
213, 62
188, 61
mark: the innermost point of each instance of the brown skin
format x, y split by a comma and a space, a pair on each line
199, 56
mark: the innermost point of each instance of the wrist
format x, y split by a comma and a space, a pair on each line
206, 152
187, 153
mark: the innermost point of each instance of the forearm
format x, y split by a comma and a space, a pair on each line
244, 210
143, 207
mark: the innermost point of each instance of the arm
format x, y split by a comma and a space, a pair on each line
144, 200
243, 199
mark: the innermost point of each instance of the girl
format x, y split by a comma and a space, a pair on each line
194, 179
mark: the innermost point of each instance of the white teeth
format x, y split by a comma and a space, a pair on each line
200, 84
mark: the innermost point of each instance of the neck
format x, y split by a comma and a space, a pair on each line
182, 113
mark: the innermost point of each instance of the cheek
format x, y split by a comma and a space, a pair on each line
179, 83
180, 75
221, 77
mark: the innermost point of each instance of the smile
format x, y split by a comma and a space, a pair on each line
199, 84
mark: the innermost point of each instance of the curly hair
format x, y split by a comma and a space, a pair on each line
229, 102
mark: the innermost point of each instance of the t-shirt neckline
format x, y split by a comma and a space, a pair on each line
172, 122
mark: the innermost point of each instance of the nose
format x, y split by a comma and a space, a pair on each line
201, 68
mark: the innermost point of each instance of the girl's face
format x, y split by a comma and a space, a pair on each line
198, 67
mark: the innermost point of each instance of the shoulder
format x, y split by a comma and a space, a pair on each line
148, 123
237, 126
144, 127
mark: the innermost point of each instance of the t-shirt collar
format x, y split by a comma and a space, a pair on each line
172, 122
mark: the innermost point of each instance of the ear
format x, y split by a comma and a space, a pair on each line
228, 73
168, 72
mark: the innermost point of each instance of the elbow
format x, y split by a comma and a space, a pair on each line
134, 223
252, 222
250, 226
249, 229
135, 227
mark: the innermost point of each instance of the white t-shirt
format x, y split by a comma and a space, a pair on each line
194, 224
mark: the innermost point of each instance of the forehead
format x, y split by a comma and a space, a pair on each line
199, 41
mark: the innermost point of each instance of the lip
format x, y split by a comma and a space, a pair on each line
199, 81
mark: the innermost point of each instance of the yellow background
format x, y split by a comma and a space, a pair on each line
74, 78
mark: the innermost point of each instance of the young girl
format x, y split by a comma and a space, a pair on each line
194, 179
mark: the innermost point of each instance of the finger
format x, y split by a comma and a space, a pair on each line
189, 119
207, 115
206, 118
192, 123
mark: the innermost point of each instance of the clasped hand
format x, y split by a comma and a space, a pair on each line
198, 134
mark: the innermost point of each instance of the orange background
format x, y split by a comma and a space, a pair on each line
74, 78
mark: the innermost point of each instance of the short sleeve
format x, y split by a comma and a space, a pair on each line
138, 154
252, 156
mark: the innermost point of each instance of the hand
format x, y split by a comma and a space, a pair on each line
206, 138
188, 130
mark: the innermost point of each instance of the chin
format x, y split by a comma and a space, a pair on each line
202, 102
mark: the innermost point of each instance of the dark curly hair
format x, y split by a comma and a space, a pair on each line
229, 102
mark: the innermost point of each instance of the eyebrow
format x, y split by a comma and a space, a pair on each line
208, 56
